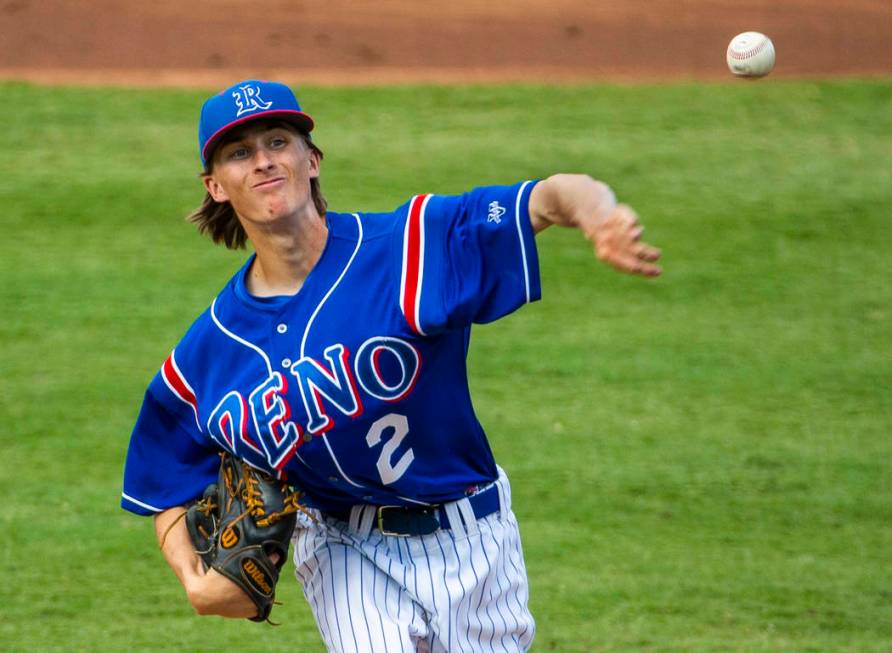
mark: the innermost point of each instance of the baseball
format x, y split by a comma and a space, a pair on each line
750, 54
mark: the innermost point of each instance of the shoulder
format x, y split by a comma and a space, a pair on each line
201, 344
366, 225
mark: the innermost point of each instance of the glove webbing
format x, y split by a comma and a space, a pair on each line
254, 501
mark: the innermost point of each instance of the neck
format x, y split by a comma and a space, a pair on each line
285, 256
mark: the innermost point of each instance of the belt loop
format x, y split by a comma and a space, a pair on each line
467, 513
454, 519
367, 523
355, 516
503, 500
504, 488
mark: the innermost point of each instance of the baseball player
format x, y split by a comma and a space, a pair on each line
335, 359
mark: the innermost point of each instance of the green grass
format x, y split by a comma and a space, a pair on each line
700, 463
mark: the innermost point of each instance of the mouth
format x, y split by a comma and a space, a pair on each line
268, 183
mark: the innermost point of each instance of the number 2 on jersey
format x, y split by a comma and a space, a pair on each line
389, 472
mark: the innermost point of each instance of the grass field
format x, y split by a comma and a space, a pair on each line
700, 463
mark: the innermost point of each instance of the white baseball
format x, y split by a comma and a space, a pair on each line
750, 54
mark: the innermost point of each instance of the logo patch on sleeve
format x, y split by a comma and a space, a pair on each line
496, 211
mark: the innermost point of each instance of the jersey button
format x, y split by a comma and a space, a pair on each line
286, 362
282, 328
333, 479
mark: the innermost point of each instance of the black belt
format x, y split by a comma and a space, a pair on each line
423, 520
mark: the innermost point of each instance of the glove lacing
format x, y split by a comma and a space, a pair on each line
253, 499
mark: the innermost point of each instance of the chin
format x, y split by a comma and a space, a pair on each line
276, 210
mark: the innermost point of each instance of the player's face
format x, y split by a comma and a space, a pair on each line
264, 171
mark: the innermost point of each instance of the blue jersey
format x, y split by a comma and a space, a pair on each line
354, 389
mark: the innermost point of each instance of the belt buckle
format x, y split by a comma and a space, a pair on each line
380, 520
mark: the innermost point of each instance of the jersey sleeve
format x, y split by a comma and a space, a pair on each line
467, 258
168, 461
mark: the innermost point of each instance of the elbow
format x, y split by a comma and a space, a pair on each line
203, 601
200, 603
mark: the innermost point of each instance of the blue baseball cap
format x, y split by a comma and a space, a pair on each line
243, 102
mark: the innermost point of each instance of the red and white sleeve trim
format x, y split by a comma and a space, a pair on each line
413, 263
178, 385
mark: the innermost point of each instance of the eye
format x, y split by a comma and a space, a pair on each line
278, 142
239, 152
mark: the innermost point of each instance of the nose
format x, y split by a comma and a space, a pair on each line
262, 159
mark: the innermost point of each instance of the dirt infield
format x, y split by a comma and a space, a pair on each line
211, 42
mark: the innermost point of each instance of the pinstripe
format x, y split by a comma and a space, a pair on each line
326, 611
430, 578
500, 573
487, 584
448, 593
480, 574
317, 587
390, 575
474, 590
400, 554
520, 573
510, 559
334, 596
464, 592
313, 579
375, 595
346, 580
317, 581
483, 590
414, 569
368, 631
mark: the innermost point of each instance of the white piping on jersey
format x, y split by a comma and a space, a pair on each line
242, 341
337, 464
303, 342
523, 249
420, 264
140, 503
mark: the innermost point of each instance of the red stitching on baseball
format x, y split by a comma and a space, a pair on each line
734, 54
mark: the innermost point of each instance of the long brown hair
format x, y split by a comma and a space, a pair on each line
218, 219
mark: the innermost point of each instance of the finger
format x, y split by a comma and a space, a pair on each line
634, 265
647, 253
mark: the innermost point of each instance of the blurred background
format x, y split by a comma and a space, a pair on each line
343, 41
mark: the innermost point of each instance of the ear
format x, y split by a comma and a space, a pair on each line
214, 188
314, 164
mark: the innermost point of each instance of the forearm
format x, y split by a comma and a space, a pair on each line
210, 593
173, 538
571, 200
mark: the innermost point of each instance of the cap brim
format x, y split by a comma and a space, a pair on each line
299, 119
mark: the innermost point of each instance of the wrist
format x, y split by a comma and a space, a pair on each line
599, 203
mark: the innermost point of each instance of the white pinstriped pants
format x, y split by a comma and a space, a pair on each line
458, 589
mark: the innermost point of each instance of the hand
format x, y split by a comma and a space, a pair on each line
617, 242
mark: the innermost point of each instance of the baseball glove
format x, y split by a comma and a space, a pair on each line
242, 527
